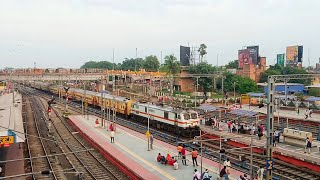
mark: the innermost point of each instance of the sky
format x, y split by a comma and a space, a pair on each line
68, 33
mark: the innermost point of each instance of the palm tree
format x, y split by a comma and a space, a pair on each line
171, 65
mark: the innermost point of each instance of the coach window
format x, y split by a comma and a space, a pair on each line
179, 116
166, 115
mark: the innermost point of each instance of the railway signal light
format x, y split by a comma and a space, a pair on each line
49, 109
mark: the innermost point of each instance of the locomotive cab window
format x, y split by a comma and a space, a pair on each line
194, 116
179, 116
145, 109
166, 115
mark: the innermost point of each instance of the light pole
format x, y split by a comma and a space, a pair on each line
148, 126
195, 94
234, 92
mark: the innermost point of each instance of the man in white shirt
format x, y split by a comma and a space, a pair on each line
112, 136
196, 175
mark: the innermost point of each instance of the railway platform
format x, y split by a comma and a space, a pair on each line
282, 151
130, 148
11, 133
285, 113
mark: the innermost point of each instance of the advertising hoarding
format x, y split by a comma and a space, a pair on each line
244, 57
254, 54
300, 54
292, 54
280, 59
184, 56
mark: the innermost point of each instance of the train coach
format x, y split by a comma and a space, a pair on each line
180, 121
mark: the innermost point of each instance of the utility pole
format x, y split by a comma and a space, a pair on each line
223, 94
251, 159
195, 94
270, 108
135, 62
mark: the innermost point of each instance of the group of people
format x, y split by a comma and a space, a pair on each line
171, 161
111, 128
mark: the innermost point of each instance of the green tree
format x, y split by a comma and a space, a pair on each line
202, 51
232, 64
151, 63
269, 72
99, 65
242, 84
279, 70
171, 65
205, 83
132, 64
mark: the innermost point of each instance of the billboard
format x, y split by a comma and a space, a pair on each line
292, 54
280, 59
184, 56
244, 57
300, 54
254, 54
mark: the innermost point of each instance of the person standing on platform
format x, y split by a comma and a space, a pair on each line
112, 134
306, 113
194, 155
151, 141
111, 127
227, 164
229, 127
260, 173
307, 146
310, 112
97, 124
179, 148
274, 139
223, 173
205, 175
183, 153
196, 175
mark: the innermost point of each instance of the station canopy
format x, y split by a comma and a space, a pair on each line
208, 108
255, 94
245, 113
313, 99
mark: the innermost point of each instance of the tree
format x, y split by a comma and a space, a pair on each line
233, 64
205, 83
151, 63
171, 65
241, 84
132, 64
99, 65
279, 70
202, 50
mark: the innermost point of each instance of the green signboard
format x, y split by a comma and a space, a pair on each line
280, 59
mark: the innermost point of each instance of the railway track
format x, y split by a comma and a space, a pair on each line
282, 170
38, 146
88, 163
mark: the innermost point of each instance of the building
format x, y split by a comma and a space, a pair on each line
253, 71
184, 84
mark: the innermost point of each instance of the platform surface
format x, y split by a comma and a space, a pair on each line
285, 113
11, 116
132, 148
285, 149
